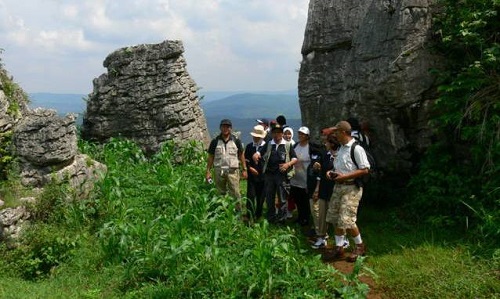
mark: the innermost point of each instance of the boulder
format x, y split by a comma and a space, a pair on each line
43, 138
46, 146
147, 96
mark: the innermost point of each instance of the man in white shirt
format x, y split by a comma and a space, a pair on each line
343, 206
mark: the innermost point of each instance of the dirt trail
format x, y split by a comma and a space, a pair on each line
346, 268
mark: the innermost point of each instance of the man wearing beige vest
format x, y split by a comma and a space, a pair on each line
225, 155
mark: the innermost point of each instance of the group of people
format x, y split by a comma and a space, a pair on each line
321, 181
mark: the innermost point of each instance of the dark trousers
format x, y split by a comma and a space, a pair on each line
274, 186
255, 198
302, 201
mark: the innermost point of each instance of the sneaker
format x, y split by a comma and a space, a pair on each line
360, 250
336, 255
320, 243
346, 243
289, 214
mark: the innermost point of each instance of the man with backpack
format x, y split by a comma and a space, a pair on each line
343, 206
363, 140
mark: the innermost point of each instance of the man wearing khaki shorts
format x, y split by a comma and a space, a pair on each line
343, 206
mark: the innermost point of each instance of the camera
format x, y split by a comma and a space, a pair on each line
332, 174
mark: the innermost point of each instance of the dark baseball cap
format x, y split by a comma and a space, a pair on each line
262, 121
226, 121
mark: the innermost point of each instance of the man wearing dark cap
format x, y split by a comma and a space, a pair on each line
343, 206
279, 157
225, 155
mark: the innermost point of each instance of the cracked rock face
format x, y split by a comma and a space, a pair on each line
46, 145
43, 138
147, 96
371, 60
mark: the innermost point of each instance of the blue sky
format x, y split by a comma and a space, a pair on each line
231, 45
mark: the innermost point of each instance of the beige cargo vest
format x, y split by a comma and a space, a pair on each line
226, 155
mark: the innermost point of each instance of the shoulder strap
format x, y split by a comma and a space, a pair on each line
288, 145
352, 154
266, 156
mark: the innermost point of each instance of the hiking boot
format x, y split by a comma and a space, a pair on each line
335, 255
319, 244
359, 250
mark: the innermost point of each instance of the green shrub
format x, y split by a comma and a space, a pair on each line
41, 249
459, 178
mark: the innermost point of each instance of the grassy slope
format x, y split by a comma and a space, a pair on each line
409, 264
410, 261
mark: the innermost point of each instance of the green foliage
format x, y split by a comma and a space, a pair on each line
5, 153
153, 229
42, 248
14, 95
164, 225
11, 189
460, 174
413, 273
52, 203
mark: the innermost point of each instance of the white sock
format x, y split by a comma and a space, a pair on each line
357, 239
339, 240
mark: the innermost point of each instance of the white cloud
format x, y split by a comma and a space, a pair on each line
230, 44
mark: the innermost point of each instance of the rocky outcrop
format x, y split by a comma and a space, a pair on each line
45, 139
371, 59
147, 96
13, 105
46, 146
13, 102
12, 220
45, 149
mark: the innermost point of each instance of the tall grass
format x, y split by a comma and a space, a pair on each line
161, 232
167, 229
153, 229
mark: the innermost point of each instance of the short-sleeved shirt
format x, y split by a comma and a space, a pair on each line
344, 164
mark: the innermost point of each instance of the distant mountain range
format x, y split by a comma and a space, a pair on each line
242, 108
252, 105
63, 103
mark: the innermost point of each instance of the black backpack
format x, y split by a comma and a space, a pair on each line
373, 173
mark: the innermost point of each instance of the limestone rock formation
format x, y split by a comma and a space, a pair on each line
46, 146
13, 102
43, 138
12, 220
371, 59
13, 105
147, 96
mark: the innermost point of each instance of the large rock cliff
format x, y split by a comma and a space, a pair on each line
147, 96
371, 59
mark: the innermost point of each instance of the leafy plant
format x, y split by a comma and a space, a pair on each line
41, 249
460, 173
